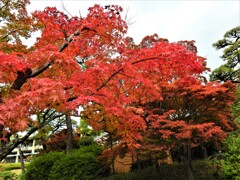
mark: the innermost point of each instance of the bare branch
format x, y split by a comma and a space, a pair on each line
65, 9
129, 19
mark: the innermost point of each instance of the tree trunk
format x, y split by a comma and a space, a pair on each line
21, 159
113, 167
20, 154
205, 155
69, 146
187, 160
22, 77
113, 158
139, 167
158, 169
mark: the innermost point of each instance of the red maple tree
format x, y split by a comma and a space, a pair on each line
191, 114
186, 111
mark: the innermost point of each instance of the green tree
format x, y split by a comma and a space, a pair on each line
15, 21
231, 55
231, 164
230, 71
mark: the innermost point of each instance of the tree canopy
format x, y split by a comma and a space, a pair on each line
90, 62
231, 55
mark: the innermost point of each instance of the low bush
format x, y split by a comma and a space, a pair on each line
81, 164
40, 167
8, 175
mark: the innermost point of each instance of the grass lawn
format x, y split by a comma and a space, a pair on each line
6, 169
9, 166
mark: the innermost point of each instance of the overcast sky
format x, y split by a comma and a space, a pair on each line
204, 21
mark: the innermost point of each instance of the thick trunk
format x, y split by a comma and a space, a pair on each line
187, 162
69, 147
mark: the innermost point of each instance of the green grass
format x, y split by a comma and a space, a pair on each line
11, 166
11, 171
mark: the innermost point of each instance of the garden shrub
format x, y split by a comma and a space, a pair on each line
86, 141
231, 164
40, 167
81, 164
92, 148
8, 175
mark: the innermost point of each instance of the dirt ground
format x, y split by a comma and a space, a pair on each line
16, 171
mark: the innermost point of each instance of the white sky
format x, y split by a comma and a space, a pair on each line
204, 21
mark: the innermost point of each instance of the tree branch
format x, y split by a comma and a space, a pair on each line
69, 40
10, 148
37, 71
23, 76
119, 70
21, 79
6, 35
5, 5
107, 80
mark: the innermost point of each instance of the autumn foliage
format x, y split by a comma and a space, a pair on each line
57, 142
89, 62
190, 113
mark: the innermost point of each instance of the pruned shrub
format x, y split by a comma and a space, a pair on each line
81, 164
40, 167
